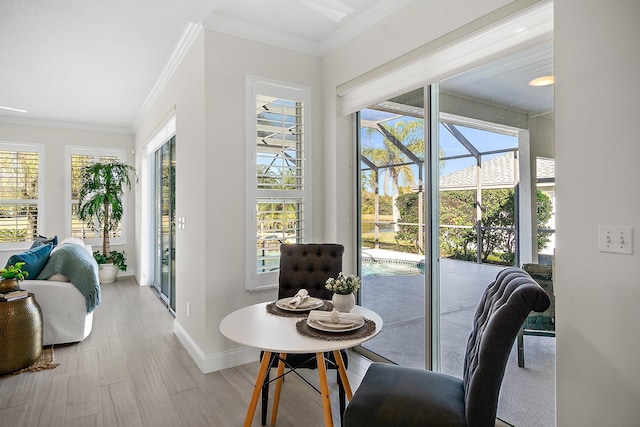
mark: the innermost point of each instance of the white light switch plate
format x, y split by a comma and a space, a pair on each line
615, 239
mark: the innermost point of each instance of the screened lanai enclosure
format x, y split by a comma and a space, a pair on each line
478, 186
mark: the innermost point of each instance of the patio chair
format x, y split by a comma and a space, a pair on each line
392, 395
307, 266
539, 324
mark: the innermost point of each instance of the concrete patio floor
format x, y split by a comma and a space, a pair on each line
527, 395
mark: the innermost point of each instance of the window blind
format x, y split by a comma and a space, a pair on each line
19, 173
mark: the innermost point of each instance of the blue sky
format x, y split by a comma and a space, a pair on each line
482, 140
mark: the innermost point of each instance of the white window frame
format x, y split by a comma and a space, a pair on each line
96, 153
280, 90
29, 147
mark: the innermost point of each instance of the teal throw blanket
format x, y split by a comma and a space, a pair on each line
75, 262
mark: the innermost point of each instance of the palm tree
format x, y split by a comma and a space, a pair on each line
395, 161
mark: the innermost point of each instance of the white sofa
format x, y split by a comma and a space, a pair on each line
64, 311
64, 308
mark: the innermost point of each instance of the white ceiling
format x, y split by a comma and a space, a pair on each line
87, 62
505, 81
94, 63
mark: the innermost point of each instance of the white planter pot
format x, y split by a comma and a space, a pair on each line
107, 272
343, 303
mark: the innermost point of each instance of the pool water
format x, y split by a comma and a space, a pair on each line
391, 269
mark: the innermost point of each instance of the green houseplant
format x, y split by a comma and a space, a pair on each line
11, 275
101, 206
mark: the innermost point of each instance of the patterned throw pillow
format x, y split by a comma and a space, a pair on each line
42, 240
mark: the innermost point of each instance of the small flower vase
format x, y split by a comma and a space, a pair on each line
343, 303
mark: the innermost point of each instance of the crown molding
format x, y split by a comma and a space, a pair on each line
360, 24
189, 36
351, 29
64, 125
261, 34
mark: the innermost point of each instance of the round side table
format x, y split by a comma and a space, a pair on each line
20, 334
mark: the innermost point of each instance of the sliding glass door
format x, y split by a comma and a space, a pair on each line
392, 225
164, 168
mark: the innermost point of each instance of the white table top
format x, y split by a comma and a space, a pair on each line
254, 326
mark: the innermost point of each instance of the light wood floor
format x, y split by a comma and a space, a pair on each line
133, 371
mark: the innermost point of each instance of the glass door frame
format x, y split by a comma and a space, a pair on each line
432, 227
156, 258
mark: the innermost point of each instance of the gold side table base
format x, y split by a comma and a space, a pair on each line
20, 334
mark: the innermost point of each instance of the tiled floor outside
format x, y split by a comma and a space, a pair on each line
527, 395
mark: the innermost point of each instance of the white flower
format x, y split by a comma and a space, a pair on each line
343, 284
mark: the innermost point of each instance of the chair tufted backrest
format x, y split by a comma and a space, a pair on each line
504, 306
308, 266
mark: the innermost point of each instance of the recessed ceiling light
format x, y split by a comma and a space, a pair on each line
17, 110
542, 81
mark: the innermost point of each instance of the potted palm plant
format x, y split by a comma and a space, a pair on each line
101, 207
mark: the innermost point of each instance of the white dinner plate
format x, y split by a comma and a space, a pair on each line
334, 327
310, 304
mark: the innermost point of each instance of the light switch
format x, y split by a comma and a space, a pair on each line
615, 239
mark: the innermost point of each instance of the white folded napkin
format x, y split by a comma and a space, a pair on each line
299, 299
335, 317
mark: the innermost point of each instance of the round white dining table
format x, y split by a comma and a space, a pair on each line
255, 326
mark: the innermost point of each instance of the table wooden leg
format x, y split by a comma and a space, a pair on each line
343, 374
264, 365
324, 390
276, 396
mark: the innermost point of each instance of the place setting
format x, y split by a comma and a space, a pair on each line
320, 319
335, 325
298, 305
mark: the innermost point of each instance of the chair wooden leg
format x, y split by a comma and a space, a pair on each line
521, 348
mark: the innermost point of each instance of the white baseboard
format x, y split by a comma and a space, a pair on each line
216, 361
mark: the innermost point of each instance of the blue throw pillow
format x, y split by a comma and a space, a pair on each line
42, 240
34, 259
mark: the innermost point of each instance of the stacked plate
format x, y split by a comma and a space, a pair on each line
329, 326
306, 305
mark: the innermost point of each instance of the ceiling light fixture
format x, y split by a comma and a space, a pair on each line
542, 81
17, 110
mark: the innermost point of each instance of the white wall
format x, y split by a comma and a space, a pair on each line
55, 141
597, 64
228, 60
183, 95
208, 94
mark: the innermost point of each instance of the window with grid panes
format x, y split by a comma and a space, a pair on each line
79, 158
19, 192
279, 119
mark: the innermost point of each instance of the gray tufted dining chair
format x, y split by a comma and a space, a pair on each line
307, 266
395, 396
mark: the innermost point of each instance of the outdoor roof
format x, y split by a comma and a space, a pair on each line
498, 172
